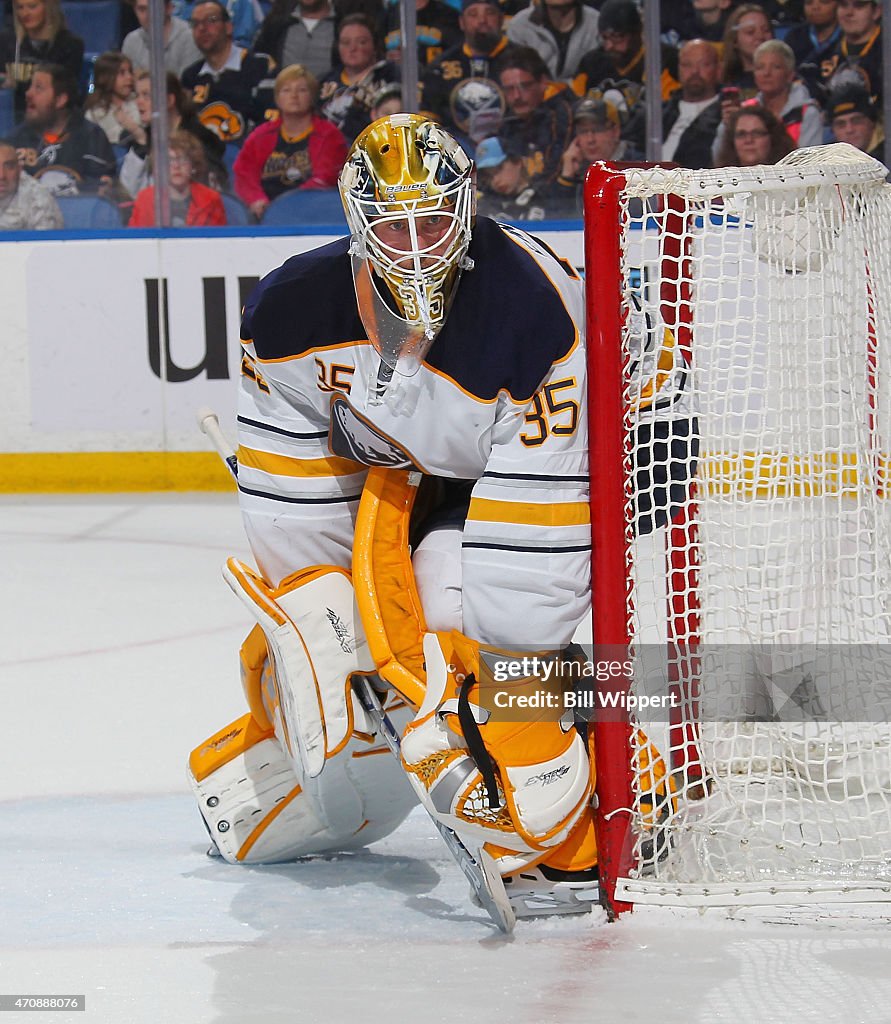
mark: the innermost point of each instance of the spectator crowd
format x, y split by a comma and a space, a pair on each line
264, 99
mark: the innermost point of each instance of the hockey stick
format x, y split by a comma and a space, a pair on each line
210, 425
480, 871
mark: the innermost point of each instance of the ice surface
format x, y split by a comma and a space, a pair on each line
119, 654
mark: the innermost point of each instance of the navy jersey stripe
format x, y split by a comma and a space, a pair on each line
528, 548
315, 435
299, 501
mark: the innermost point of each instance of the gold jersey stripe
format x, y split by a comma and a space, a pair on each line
286, 465
526, 513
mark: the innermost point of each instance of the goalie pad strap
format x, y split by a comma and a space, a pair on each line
475, 743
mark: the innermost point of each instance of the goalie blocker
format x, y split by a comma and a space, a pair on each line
304, 772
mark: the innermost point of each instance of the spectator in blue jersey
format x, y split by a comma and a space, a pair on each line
347, 93
436, 30
231, 87
539, 123
179, 47
56, 144
298, 150
562, 31
38, 36
461, 90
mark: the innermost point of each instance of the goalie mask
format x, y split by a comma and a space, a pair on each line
409, 200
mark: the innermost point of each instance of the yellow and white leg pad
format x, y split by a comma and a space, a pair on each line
541, 768
257, 813
316, 642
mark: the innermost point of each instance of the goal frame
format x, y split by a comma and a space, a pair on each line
611, 545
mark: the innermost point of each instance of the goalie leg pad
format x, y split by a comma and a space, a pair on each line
540, 768
315, 642
257, 813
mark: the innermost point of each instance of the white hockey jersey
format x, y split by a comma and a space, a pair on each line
499, 401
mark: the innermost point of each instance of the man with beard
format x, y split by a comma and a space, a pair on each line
691, 116
71, 155
460, 90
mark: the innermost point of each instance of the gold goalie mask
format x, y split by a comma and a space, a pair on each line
409, 199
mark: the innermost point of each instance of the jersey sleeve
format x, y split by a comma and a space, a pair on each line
298, 501
526, 553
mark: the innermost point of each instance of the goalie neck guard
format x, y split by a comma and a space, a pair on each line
408, 195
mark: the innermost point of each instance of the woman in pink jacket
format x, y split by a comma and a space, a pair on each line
296, 151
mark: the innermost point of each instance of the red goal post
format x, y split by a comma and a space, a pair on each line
739, 335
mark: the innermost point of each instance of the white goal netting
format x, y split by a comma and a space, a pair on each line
757, 351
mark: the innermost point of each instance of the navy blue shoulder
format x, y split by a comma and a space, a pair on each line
307, 302
508, 323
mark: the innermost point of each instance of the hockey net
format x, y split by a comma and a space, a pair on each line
740, 366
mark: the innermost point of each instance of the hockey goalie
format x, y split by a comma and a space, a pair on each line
413, 478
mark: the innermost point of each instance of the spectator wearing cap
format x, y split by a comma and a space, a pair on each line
780, 93
856, 59
538, 125
691, 117
597, 129
505, 190
562, 31
460, 89
346, 93
301, 33
436, 30
620, 57
230, 86
25, 205
179, 47
853, 117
